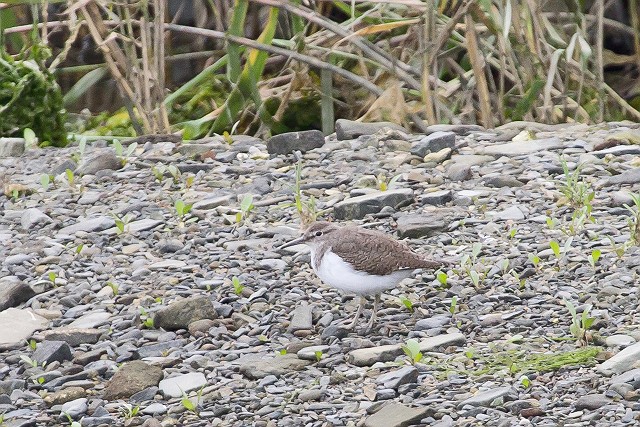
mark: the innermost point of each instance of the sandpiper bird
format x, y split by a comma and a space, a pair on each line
364, 262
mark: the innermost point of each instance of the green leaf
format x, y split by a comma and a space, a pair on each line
595, 255
45, 180
555, 247
442, 278
30, 138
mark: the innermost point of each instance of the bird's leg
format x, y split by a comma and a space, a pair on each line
374, 315
363, 301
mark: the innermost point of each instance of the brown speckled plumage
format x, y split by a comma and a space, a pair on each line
367, 250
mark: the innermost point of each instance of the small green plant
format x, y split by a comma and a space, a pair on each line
82, 145
412, 349
384, 183
52, 276
512, 233
71, 422
282, 352
237, 286
594, 257
577, 192
619, 250
146, 318
29, 361
442, 277
318, 354
305, 207
114, 287
122, 222
552, 223
534, 259
580, 324
71, 179
40, 380
188, 404
634, 221
129, 411
175, 173
227, 137
246, 206
122, 153
46, 180
453, 305
555, 247
33, 344
525, 381
182, 209
407, 303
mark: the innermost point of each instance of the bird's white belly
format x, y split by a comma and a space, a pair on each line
334, 272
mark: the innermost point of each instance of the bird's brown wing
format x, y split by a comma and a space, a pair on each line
377, 253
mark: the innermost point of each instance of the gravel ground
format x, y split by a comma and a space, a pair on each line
144, 288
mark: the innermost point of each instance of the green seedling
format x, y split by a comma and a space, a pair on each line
175, 173
129, 411
52, 276
580, 324
525, 381
114, 287
534, 259
147, 320
33, 344
619, 250
442, 278
79, 249
318, 355
552, 223
40, 380
237, 286
46, 180
453, 305
634, 221
475, 278
555, 247
71, 179
594, 257
407, 303
577, 192
227, 137
282, 352
412, 350
158, 172
122, 222
188, 404
182, 209
512, 233
384, 184
246, 206
30, 138
29, 361
504, 265
71, 422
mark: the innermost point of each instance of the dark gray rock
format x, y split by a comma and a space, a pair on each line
302, 318
434, 143
348, 129
416, 226
158, 349
99, 161
437, 197
74, 336
398, 377
631, 176
131, 378
32, 217
144, 395
287, 143
359, 207
49, 351
503, 181
592, 401
12, 147
396, 415
457, 129
179, 314
14, 292
485, 398
279, 365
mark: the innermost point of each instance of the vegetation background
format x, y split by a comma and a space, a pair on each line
263, 67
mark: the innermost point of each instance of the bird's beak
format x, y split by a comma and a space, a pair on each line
294, 242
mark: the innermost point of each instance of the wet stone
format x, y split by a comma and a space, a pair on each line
287, 143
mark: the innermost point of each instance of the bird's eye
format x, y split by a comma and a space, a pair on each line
318, 233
